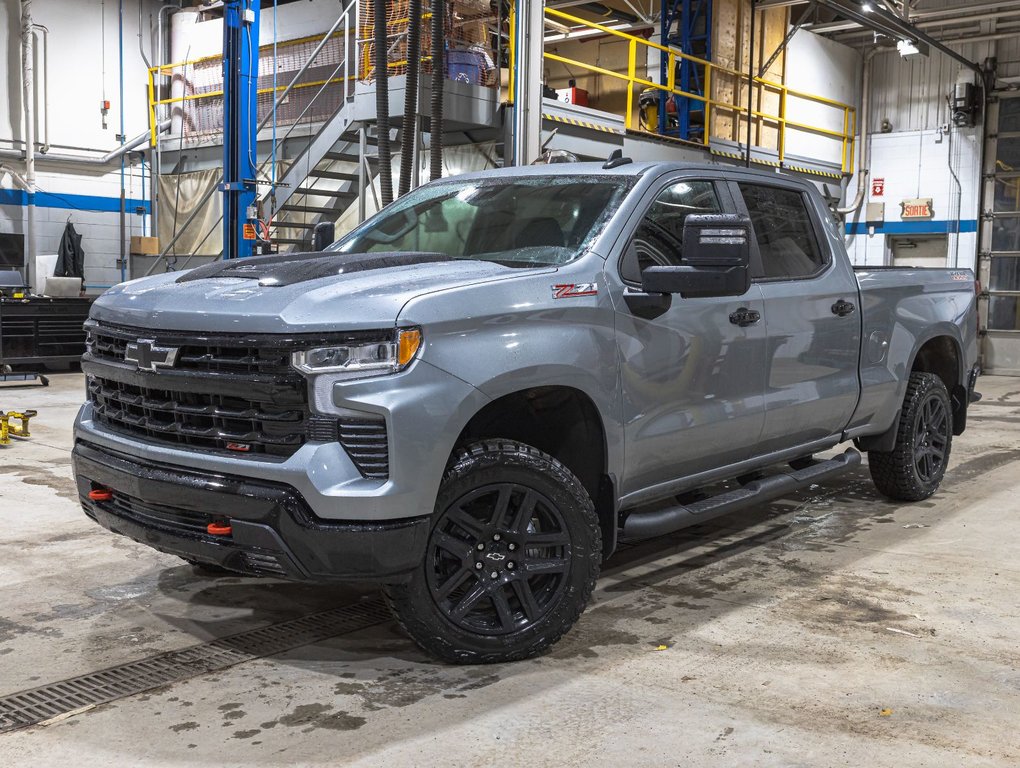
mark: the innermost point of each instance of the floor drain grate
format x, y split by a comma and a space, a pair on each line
37, 705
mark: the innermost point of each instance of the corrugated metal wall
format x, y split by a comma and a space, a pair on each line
911, 93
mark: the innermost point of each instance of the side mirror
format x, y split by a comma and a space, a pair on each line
715, 261
322, 235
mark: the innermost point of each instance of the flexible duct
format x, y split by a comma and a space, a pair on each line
864, 156
382, 103
438, 78
409, 133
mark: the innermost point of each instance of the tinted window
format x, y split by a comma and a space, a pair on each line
783, 228
659, 237
521, 222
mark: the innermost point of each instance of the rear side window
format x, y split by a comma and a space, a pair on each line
658, 240
782, 224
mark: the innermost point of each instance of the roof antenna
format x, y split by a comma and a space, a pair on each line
616, 159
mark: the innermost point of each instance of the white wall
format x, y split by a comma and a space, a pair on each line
820, 67
293, 21
915, 164
77, 35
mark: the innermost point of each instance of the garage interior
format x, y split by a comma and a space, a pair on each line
829, 627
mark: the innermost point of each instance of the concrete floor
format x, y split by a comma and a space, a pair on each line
830, 628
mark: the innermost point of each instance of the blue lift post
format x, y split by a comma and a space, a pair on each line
687, 25
240, 119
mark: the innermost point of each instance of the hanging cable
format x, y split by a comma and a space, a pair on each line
409, 134
438, 77
382, 103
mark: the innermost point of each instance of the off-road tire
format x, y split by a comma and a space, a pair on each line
900, 474
560, 529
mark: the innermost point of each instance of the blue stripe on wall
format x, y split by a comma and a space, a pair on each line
72, 202
913, 227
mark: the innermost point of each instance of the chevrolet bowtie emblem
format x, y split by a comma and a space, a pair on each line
148, 357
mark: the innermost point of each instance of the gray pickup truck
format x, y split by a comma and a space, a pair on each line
471, 397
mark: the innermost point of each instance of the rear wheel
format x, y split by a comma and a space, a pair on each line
511, 561
914, 469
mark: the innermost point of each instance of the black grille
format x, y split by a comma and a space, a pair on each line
366, 442
213, 354
236, 394
210, 421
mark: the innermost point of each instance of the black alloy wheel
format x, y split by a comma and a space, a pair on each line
914, 468
932, 439
512, 558
498, 559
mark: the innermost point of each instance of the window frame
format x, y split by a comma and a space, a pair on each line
757, 264
722, 191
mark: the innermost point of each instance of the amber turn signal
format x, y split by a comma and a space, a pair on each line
407, 345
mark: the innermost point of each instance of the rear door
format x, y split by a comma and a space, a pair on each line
812, 316
692, 378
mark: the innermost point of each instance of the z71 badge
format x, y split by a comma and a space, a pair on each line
573, 290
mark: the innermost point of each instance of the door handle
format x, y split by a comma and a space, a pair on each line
745, 317
843, 308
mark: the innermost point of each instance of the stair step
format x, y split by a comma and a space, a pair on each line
294, 224
335, 175
325, 193
343, 157
307, 209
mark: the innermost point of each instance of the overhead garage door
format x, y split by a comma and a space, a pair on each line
1000, 267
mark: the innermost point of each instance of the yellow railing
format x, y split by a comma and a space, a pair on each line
183, 68
638, 49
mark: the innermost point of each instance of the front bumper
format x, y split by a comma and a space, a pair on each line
272, 529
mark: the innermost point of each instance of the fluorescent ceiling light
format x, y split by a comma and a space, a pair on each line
907, 48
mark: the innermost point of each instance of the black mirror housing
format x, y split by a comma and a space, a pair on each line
322, 236
716, 259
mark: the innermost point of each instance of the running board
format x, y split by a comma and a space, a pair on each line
646, 525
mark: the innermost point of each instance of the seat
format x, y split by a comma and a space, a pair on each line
538, 232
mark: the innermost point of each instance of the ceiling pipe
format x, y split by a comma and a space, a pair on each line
95, 162
852, 28
28, 97
885, 22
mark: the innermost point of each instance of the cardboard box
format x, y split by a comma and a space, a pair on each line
144, 246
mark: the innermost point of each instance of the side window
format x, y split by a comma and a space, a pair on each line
782, 225
658, 240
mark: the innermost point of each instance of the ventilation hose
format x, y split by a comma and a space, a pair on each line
409, 133
438, 76
382, 103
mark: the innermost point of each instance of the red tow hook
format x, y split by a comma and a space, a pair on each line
218, 529
100, 494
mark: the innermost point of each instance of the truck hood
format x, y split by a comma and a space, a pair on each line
306, 293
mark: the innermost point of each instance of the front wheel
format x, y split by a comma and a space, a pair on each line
914, 468
511, 561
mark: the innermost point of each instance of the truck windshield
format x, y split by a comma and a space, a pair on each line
522, 222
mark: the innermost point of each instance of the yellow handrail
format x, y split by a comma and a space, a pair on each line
639, 46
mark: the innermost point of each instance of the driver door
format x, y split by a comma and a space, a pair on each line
693, 375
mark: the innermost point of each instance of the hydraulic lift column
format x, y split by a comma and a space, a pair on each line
240, 118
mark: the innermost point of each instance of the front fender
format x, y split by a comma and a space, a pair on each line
515, 336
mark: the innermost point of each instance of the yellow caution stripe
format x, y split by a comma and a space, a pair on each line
582, 124
777, 164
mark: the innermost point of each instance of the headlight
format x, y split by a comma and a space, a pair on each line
356, 361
